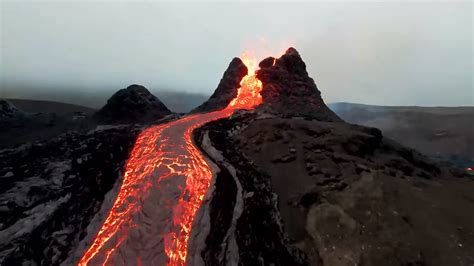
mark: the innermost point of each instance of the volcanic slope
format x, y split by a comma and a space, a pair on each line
227, 88
134, 104
300, 186
166, 179
52, 190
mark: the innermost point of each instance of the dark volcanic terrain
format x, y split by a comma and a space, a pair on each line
324, 192
347, 195
21, 126
52, 189
288, 91
134, 104
227, 88
293, 183
25, 123
443, 132
35, 106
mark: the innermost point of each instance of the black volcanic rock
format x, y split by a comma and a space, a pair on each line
135, 104
7, 109
289, 91
51, 190
250, 216
324, 193
227, 88
24, 125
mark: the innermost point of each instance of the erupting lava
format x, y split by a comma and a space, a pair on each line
248, 95
165, 177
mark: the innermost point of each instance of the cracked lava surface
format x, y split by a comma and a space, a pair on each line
165, 180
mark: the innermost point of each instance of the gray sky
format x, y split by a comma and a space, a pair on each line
397, 53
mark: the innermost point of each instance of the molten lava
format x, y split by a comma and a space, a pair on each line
248, 95
165, 176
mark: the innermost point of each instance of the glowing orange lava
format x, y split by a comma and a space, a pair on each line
248, 95
166, 173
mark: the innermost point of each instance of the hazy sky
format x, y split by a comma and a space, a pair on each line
396, 53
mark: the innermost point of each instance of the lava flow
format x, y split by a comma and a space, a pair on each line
248, 95
165, 180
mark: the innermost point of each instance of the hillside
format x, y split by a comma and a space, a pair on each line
177, 101
435, 131
36, 106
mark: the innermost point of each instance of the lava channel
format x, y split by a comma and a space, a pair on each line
165, 180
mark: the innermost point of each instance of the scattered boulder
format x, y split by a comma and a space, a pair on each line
135, 104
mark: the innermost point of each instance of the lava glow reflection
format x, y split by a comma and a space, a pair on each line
164, 160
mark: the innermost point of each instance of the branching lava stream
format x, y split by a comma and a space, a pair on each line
165, 180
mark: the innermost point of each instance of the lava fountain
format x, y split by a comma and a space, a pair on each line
165, 180
248, 95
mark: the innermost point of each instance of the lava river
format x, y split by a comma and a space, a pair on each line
165, 181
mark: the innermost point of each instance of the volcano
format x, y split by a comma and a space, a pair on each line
288, 90
299, 186
283, 88
227, 88
263, 173
134, 104
167, 169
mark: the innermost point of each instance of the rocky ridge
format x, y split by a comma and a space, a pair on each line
227, 88
288, 90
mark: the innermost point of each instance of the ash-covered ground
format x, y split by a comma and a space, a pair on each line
346, 194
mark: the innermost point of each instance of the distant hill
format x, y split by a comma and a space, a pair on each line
176, 101
134, 104
345, 107
35, 106
435, 131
